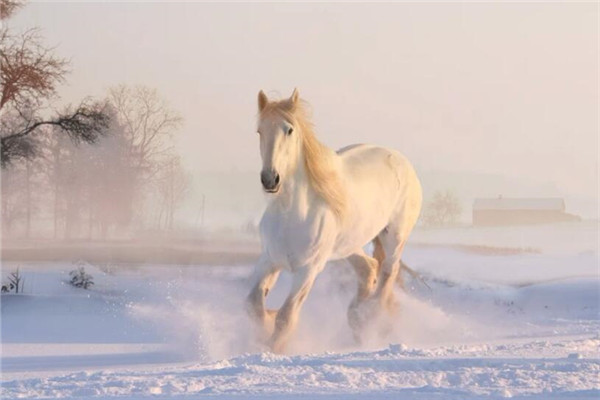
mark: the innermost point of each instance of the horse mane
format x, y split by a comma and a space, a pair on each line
319, 160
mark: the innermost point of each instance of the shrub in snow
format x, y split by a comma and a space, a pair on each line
15, 283
81, 279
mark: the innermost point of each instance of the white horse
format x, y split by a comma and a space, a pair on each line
326, 205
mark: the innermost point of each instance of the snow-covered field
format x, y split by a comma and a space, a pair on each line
520, 322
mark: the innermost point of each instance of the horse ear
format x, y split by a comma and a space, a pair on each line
295, 96
262, 100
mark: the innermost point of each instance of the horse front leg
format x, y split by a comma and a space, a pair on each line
265, 276
287, 316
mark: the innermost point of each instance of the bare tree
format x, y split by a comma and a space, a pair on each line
13, 199
9, 7
58, 172
15, 282
57, 149
30, 71
20, 193
172, 184
149, 123
442, 210
109, 180
89, 188
29, 76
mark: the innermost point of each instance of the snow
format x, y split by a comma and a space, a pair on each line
494, 324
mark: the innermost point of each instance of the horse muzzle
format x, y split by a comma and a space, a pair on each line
270, 181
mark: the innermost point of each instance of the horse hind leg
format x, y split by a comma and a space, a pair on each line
366, 270
378, 253
391, 244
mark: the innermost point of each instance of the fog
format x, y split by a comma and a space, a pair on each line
485, 99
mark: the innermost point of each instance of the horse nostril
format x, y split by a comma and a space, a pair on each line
269, 179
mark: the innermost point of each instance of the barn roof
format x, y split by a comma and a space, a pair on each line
519, 204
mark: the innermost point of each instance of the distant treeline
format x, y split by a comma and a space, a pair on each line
95, 170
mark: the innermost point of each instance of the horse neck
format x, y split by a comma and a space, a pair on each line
296, 188
298, 191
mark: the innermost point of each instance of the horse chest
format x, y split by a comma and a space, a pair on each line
294, 240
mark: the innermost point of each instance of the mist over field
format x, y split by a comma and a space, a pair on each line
480, 109
131, 197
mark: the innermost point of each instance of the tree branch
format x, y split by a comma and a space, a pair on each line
86, 124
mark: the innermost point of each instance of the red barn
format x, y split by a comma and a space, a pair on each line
515, 211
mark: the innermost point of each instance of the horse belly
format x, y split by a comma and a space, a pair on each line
369, 215
372, 182
360, 231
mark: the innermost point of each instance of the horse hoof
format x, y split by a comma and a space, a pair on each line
276, 347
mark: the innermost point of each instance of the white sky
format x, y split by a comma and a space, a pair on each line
509, 89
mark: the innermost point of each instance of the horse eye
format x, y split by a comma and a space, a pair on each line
290, 130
